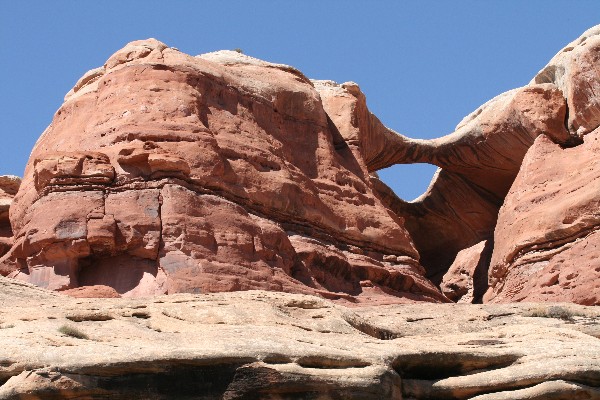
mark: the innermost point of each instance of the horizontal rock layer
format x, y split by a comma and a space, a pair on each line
277, 345
166, 173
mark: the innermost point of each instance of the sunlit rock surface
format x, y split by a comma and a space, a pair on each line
165, 173
259, 344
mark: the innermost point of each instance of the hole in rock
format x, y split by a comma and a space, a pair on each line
141, 314
123, 273
89, 317
370, 329
277, 359
442, 365
408, 181
444, 223
170, 382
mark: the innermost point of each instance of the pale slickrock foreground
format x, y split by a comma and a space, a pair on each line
257, 344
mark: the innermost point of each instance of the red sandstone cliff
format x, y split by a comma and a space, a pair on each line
9, 185
165, 173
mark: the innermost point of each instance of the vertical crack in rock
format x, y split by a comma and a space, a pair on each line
9, 185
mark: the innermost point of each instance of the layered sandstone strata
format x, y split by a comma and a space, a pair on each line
477, 162
165, 173
546, 239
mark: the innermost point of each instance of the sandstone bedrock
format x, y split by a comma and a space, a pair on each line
213, 227
275, 345
165, 173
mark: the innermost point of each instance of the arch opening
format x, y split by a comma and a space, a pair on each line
408, 181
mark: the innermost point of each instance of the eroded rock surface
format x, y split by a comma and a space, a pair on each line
479, 163
259, 344
467, 277
546, 239
169, 174
166, 173
9, 185
574, 70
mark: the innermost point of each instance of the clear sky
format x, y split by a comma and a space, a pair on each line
423, 65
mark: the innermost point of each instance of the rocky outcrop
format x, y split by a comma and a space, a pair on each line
546, 236
478, 162
467, 277
481, 159
260, 344
166, 173
546, 242
9, 185
574, 70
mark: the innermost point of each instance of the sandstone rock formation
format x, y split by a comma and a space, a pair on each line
255, 344
467, 278
574, 70
546, 239
9, 185
478, 163
166, 173
552, 205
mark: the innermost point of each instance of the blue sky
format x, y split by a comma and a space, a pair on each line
422, 64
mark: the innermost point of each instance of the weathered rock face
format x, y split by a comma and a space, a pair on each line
467, 277
546, 242
9, 185
165, 173
256, 344
546, 239
552, 202
478, 162
575, 71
